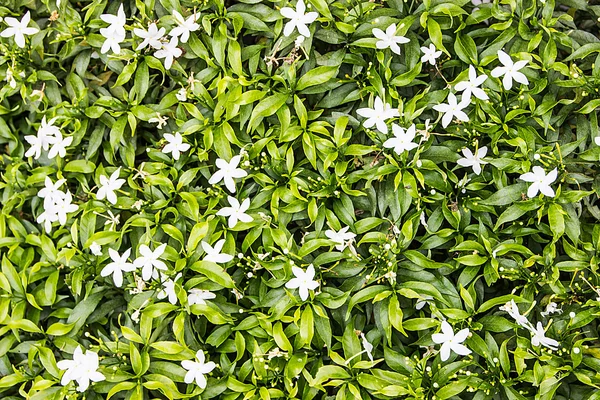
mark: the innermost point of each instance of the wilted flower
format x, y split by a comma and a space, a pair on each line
538, 337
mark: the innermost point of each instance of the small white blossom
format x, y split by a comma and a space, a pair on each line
299, 19
389, 39
51, 191
175, 145
47, 134
402, 140
96, 249
213, 254
343, 238
513, 310
198, 296
82, 369
149, 261
538, 337
168, 289
184, 27
181, 95
453, 109
118, 265
160, 120
540, 182
426, 299
378, 115
19, 29
236, 212
59, 146
197, 369
152, 37
430, 54
551, 308
303, 281
471, 87
169, 51
510, 70
115, 32
450, 341
109, 185
227, 172
473, 160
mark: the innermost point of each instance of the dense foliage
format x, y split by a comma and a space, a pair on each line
337, 199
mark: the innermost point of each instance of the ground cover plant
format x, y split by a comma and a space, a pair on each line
320, 199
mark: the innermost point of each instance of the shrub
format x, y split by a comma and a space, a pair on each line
333, 199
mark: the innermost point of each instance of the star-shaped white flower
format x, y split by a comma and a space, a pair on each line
540, 182
471, 87
402, 141
450, 341
49, 216
168, 289
389, 39
118, 20
169, 51
197, 369
115, 32
152, 37
64, 206
51, 190
149, 261
298, 19
378, 115
513, 310
47, 134
227, 172
59, 146
198, 296
453, 109
109, 185
343, 238
19, 29
510, 70
236, 212
184, 26
538, 336
303, 281
175, 145
473, 160
83, 369
430, 54
118, 266
213, 254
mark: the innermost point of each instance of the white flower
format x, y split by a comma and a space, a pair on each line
538, 336
197, 369
303, 281
169, 51
510, 70
96, 249
423, 302
551, 308
213, 254
152, 37
149, 261
19, 29
184, 26
83, 369
473, 160
299, 40
51, 190
109, 185
47, 134
453, 109
63, 206
389, 39
450, 341
197, 296
298, 19
368, 346
181, 95
160, 120
236, 212
115, 32
59, 146
118, 266
343, 238
378, 115
512, 310
175, 145
402, 140
168, 289
48, 216
227, 172
430, 54
471, 87
540, 181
